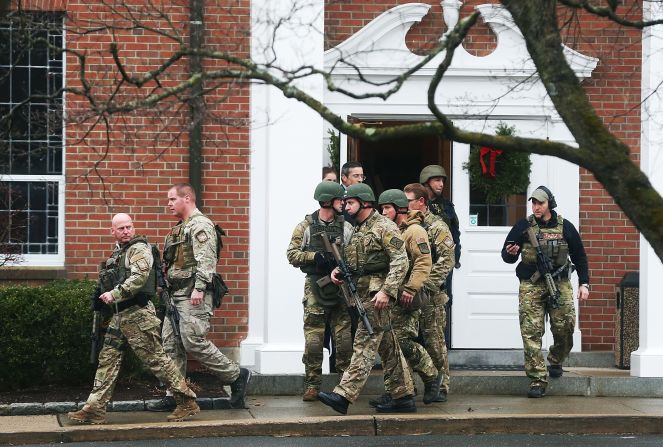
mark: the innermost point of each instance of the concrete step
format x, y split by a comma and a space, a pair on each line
460, 358
577, 381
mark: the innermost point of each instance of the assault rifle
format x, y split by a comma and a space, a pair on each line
172, 313
544, 268
97, 306
349, 288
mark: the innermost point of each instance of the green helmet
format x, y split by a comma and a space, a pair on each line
360, 191
431, 171
327, 191
394, 196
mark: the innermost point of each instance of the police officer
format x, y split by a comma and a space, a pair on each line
433, 177
322, 301
433, 314
190, 255
127, 280
376, 254
558, 239
405, 316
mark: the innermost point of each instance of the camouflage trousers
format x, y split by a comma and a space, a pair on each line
194, 325
532, 311
406, 327
138, 329
315, 320
433, 321
397, 378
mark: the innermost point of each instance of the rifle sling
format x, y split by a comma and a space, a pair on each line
556, 274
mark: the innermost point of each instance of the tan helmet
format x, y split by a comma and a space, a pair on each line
431, 171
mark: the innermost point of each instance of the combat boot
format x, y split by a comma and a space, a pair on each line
238, 389
87, 415
403, 404
386, 397
334, 400
555, 371
186, 406
166, 403
536, 390
310, 395
431, 391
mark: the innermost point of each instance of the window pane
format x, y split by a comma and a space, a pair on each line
5, 84
38, 122
30, 213
38, 53
38, 82
4, 46
18, 123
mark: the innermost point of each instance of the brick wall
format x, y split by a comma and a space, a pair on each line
128, 165
611, 241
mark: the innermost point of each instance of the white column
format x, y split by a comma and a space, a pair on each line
286, 162
647, 361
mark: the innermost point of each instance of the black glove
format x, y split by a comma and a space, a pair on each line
324, 262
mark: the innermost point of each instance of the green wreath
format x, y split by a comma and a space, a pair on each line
498, 174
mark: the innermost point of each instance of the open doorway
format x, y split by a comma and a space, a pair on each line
397, 162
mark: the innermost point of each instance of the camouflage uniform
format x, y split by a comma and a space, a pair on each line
376, 254
135, 326
433, 313
192, 245
558, 239
319, 310
405, 321
531, 310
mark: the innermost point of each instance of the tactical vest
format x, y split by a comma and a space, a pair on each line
334, 230
552, 243
178, 249
365, 254
114, 271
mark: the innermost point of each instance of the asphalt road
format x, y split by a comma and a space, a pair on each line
400, 441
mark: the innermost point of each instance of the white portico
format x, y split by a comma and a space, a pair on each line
287, 154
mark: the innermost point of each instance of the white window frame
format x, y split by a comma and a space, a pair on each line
58, 259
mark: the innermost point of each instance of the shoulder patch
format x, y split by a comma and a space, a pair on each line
201, 236
423, 245
396, 242
449, 242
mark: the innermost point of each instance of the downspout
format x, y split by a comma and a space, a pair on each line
196, 102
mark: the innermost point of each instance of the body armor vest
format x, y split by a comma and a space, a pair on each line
365, 253
178, 250
334, 230
552, 243
114, 271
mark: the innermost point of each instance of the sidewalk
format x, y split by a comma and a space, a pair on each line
583, 401
289, 416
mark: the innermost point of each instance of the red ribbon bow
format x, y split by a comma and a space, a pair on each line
493, 155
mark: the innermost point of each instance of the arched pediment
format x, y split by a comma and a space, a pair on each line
380, 48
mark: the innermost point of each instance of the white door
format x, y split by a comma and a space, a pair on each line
485, 288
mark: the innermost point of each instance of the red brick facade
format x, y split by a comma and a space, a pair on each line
148, 149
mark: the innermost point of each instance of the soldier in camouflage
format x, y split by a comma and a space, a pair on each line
376, 255
433, 314
405, 316
128, 281
190, 258
559, 240
322, 301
